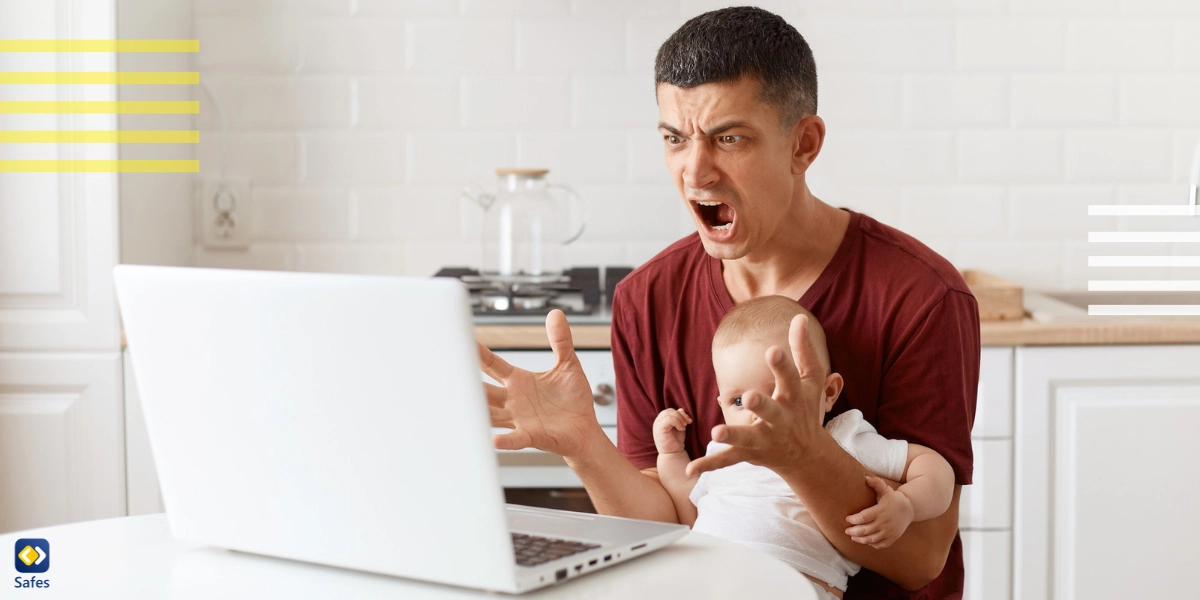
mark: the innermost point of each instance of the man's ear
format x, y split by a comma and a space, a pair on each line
833, 389
808, 135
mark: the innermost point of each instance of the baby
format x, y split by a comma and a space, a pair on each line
754, 506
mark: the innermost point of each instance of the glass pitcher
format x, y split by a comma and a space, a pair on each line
525, 226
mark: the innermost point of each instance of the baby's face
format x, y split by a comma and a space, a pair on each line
741, 368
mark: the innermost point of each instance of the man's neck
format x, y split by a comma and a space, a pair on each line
794, 258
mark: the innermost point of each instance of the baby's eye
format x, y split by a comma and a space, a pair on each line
737, 401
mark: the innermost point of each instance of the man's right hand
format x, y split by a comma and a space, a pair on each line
551, 410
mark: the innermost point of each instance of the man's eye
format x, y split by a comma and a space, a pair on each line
673, 139
729, 139
737, 401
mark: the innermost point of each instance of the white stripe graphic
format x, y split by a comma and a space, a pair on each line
1144, 310
1144, 261
1142, 285
1144, 236
1141, 210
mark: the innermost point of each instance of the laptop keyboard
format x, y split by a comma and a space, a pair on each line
532, 550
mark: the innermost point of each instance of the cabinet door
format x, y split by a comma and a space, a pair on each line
58, 231
1105, 476
62, 450
987, 559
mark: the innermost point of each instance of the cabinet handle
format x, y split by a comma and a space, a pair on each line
604, 394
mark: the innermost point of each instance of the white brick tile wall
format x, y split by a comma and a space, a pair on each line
1010, 156
369, 259
582, 46
458, 158
982, 127
949, 100
304, 214
1010, 44
880, 44
352, 45
354, 157
955, 8
576, 156
625, 8
278, 102
1072, 8
407, 213
619, 101
410, 103
859, 100
1059, 212
445, 45
1118, 156
1124, 44
954, 212
263, 157
1170, 100
246, 44
1064, 100
1160, 8
887, 156
1187, 44
405, 8
516, 8
508, 103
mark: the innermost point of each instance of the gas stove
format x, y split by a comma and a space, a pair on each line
583, 293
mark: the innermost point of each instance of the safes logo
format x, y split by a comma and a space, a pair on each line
31, 555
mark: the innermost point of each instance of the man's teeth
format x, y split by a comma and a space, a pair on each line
709, 203
722, 227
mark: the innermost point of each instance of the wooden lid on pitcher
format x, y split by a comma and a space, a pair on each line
522, 171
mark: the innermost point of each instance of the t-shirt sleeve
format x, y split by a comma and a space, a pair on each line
637, 407
881, 456
929, 388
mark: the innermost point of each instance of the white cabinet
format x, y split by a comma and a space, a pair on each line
1106, 482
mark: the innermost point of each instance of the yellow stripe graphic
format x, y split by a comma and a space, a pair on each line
99, 137
135, 78
99, 45
99, 166
93, 107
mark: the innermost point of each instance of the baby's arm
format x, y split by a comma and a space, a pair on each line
673, 460
926, 493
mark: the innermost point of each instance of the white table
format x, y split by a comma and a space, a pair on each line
136, 558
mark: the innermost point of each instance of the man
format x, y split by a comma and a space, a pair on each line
737, 99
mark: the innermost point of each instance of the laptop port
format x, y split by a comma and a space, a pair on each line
578, 567
637, 547
593, 561
560, 574
607, 557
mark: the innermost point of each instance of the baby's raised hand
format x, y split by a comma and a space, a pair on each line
668, 430
884, 523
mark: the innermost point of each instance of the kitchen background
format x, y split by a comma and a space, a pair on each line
982, 127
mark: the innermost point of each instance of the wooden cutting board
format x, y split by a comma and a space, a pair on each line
999, 299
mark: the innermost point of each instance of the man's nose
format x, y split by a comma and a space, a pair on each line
699, 171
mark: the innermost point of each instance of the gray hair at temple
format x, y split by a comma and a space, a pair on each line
723, 45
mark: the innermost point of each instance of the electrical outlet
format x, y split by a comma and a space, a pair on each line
223, 213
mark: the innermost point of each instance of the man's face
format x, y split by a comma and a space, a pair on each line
731, 160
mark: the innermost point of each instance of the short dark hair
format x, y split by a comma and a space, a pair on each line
723, 45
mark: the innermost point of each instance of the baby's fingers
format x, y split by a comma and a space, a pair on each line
867, 515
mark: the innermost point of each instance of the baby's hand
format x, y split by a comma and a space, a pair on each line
884, 523
668, 430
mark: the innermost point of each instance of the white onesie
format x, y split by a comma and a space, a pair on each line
752, 505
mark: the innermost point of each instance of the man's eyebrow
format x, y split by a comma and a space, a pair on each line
718, 130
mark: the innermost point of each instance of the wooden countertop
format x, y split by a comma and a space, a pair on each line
1026, 332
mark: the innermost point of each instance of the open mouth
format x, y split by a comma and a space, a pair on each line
717, 215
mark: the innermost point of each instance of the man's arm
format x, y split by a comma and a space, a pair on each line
617, 488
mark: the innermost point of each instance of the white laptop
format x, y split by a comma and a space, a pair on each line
341, 420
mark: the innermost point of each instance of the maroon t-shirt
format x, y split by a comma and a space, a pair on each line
902, 329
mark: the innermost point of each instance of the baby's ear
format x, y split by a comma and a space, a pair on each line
833, 389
